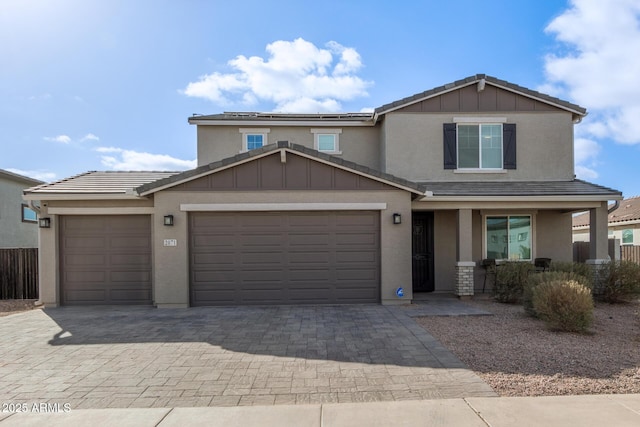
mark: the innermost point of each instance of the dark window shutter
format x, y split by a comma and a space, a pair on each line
450, 151
509, 145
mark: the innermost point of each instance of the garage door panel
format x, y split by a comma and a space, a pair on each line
130, 244
87, 296
80, 277
211, 259
130, 295
86, 260
85, 242
105, 259
131, 259
363, 256
309, 239
284, 258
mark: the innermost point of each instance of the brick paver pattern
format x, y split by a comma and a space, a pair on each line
144, 357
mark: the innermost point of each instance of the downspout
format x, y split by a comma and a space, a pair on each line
34, 207
616, 205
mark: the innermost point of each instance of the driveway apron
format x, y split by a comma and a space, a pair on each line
103, 357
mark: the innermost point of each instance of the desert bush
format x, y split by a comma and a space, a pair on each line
577, 268
619, 281
510, 280
564, 305
537, 279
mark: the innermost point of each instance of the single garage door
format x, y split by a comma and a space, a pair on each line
240, 258
105, 259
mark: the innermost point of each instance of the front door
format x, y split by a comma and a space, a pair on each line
422, 242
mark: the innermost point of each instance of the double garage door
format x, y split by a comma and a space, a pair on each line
236, 258
241, 258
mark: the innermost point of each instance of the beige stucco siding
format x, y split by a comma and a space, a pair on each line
553, 236
172, 263
13, 232
357, 144
414, 146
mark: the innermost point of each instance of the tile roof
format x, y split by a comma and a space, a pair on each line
199, 171
109, 182
491, 80
520, 188
629, 210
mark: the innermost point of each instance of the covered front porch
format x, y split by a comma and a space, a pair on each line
450, 239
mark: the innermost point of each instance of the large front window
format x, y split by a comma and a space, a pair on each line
508, 237
480, 146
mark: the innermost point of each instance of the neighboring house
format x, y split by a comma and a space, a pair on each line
623, 223
18, 222
329, 208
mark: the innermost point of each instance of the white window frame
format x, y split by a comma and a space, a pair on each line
532, 237
479, 121
336, 134
253, 131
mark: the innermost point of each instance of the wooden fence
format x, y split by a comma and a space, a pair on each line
19, 273
626, 252
630, 253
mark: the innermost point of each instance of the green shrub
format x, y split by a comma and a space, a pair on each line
619, 281
577, 268
537, 279
564, 305
510, 280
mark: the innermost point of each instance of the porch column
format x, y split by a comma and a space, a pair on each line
599, 242
464, 255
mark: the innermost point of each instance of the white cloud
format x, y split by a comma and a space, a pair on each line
140, 161
296, 76
600, 67
64, 139
585, 173
89, 137
585, 150
41, 175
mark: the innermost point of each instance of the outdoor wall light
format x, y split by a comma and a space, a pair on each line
168, 220
397, 218
44, 223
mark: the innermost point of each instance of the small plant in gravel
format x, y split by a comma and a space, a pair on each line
620, 281
564, 305
510, 280
537, 279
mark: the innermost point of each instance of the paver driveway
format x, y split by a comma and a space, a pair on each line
144, 357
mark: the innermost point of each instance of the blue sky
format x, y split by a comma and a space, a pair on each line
109, 84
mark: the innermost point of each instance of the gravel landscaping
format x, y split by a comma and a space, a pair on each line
11, 306
517, 356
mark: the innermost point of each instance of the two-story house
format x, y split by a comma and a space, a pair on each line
18, 221
329, 208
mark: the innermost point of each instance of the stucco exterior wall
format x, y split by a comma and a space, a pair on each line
444, 250
13, 232
553, 236
414, 146
357, 144
171, 264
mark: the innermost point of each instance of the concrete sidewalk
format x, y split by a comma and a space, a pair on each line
597, 410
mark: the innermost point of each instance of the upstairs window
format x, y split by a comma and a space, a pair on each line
254, 141
327, 140
480, 146
253, 138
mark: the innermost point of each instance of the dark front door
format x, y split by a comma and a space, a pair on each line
422, 237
